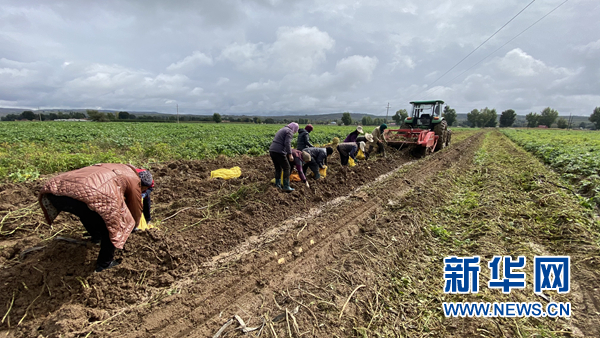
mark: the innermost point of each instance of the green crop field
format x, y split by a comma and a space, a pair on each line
28, 149
574, 154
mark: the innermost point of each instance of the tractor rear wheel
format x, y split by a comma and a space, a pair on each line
448, 137
441, 130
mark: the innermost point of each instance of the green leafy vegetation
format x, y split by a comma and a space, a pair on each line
573, 154
30, 149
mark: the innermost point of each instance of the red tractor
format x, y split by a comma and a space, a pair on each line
426, 129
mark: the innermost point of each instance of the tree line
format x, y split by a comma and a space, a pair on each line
476, 118
487, 117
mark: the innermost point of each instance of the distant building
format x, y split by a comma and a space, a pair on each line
542, 126
72, 120
333, 122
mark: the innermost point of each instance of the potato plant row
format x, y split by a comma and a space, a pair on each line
574, 154
28, 149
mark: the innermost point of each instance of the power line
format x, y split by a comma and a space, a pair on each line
486, 40
509, 41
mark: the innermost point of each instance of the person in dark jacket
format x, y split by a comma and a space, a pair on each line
281, 155
303, 138
347, 150
367, 139
147, 188
318, 160
353, 135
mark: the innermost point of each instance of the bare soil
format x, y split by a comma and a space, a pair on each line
221, 248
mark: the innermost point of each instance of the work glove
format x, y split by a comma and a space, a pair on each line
307, 185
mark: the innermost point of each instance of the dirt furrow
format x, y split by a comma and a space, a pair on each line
244, 285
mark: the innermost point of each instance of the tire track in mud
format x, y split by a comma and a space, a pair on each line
243, 278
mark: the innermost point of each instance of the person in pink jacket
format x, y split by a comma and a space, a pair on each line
106, 197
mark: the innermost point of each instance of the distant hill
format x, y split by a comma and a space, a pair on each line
6, 111
461, 117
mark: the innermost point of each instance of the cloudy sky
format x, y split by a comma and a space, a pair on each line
298, 56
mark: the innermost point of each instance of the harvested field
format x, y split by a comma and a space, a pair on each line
356, 254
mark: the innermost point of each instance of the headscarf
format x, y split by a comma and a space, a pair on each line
308, 128
146, 178
294, 127
305, 157
383, 127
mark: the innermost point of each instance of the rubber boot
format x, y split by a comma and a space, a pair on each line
278, 183
112, 264
286, 185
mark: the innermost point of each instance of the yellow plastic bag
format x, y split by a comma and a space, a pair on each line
143, 224
226, 173
295, 177
323, 172
351, 162
360, 155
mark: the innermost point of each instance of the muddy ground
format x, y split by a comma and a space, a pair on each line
220, 248
49, 284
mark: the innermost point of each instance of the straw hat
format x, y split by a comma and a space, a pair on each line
362, 146
369, 137
360, 130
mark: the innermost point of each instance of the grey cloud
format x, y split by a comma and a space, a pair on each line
256, 56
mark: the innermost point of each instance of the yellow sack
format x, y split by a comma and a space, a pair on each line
323, 172
226, 173
295, 177
360, 155
143, 225
351, 162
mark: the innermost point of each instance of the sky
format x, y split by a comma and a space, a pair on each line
274, 57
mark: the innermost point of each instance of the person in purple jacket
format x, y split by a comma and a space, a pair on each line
301, 158
353, 135
281, 155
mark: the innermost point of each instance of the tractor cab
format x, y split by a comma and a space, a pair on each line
425, 129
425, 114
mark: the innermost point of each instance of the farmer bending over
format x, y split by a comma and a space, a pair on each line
378, 139
300, 158
318, 159
348, 150
107, 199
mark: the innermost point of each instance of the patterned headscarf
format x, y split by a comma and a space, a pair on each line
294, 127
146, 178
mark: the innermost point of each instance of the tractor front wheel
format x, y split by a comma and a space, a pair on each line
441, 130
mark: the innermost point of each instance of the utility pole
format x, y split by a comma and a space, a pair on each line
387, 112
177, 112
570, 121
39, 113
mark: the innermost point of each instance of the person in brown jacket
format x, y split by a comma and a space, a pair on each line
107, 199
